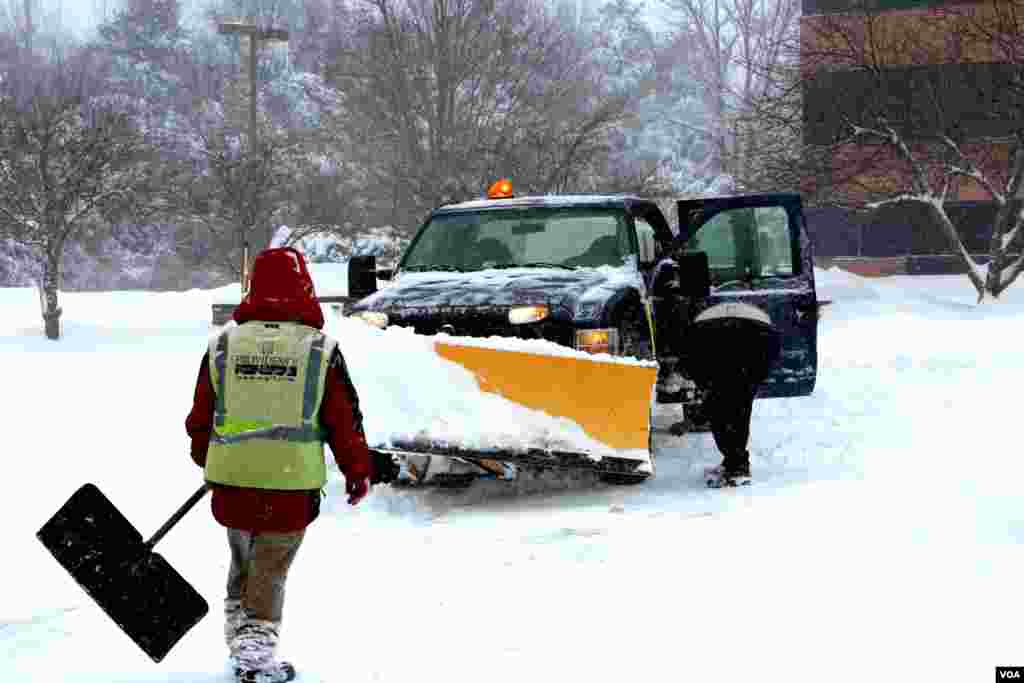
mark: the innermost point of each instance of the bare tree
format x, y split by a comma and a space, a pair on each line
733, 50
67, 157
938, 104
236, 188
444, 96
776, 155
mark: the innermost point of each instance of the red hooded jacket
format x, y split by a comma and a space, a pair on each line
281, 290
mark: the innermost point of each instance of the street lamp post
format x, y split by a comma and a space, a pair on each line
256, 35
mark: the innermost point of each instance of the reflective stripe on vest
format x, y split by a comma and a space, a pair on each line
220, 359
310, 399
266, 431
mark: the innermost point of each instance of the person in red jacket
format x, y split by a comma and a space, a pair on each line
265, 525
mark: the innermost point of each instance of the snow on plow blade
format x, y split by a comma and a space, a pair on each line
609, 399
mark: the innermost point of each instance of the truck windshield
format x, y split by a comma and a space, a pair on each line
568, 237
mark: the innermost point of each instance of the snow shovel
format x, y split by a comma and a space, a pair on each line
136, 587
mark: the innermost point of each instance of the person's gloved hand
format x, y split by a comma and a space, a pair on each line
357, 490
385, 468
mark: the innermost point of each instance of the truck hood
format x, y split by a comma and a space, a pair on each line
507, 287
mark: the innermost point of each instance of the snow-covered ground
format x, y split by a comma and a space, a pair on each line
881, 540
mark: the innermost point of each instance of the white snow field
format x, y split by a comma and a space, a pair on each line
881, 540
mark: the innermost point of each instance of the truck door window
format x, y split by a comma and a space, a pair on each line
645, 235
717, 239
746, 244
774, 242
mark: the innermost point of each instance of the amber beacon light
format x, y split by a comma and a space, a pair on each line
501, 189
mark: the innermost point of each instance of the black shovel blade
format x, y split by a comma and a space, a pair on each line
136, 587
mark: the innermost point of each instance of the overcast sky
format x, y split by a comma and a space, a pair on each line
76, 15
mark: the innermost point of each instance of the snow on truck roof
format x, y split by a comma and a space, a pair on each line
551, 200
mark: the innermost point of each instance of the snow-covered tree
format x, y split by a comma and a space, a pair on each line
442, 98
671, 127
234, 186
625, 49
728, 50
67, 157
332, 244
147, 46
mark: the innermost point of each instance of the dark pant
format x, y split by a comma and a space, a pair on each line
259, 569
730, 359
729, 406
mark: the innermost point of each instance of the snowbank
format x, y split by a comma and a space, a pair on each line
836, 284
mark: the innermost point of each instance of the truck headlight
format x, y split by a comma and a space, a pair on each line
527, 314
373, 318
602, 340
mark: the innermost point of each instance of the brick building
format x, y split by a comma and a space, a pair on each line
934, 74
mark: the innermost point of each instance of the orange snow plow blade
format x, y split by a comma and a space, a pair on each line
611, 401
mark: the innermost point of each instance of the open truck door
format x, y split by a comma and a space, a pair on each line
761, 266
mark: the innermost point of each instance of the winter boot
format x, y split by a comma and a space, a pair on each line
729, 473
253, 653
280, 672
234, 615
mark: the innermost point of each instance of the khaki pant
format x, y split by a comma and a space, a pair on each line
259, 569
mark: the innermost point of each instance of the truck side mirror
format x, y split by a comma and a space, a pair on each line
385, 273
362, 276
694, 274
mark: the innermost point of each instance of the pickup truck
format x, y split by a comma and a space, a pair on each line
609, 274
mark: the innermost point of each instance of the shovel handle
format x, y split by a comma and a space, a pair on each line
176, 517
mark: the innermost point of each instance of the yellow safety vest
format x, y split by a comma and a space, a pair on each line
269, 380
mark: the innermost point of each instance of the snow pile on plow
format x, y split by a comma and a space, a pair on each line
410, 390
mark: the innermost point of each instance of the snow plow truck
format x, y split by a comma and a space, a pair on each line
608, 277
